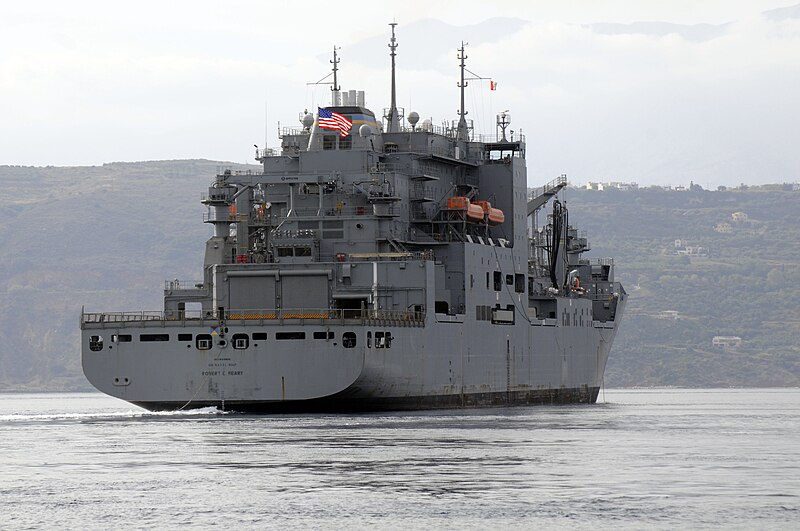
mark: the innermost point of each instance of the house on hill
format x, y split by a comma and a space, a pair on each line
617, 185
682, 248
726, 342
723, 228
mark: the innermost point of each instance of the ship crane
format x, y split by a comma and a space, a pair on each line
548, 190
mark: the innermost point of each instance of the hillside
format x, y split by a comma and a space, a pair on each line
743, 283
106, 237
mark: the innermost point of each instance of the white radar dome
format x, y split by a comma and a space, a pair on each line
413, 118
308, 120
364, 131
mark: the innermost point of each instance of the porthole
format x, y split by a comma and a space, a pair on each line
203, 342
96, 343
349, 340
240, 341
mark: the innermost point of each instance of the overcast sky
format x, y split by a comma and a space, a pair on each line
657, 92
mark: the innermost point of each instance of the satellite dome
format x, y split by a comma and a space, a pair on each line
364, 131
308, 120
413, 118
426, 125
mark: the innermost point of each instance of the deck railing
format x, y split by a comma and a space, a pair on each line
263, 316
182, 284
558, 182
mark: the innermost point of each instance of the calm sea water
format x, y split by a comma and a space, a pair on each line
642, 459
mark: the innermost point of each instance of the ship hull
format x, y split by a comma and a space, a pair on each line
442, 362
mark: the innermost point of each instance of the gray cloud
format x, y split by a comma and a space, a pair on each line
693, 32
686, 97
783, 13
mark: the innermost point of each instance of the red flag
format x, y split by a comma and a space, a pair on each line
492, 85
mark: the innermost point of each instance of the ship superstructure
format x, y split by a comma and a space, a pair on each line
391, 265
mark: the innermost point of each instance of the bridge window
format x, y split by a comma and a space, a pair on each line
121, 338
184, 337
329, 142
294, 251
498, 281
259, 336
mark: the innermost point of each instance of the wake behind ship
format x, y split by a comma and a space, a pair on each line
374, 263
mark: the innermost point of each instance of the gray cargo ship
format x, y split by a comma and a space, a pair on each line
375, 263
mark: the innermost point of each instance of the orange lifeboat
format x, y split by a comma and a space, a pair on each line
494, 215
457, 203
475, 213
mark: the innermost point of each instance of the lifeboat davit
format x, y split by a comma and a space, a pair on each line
473, 211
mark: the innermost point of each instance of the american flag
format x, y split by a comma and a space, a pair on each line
333, 120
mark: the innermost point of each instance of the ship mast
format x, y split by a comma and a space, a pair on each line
335, 99
393, 119
462, 133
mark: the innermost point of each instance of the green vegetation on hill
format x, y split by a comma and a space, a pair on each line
106, 237
743, 283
